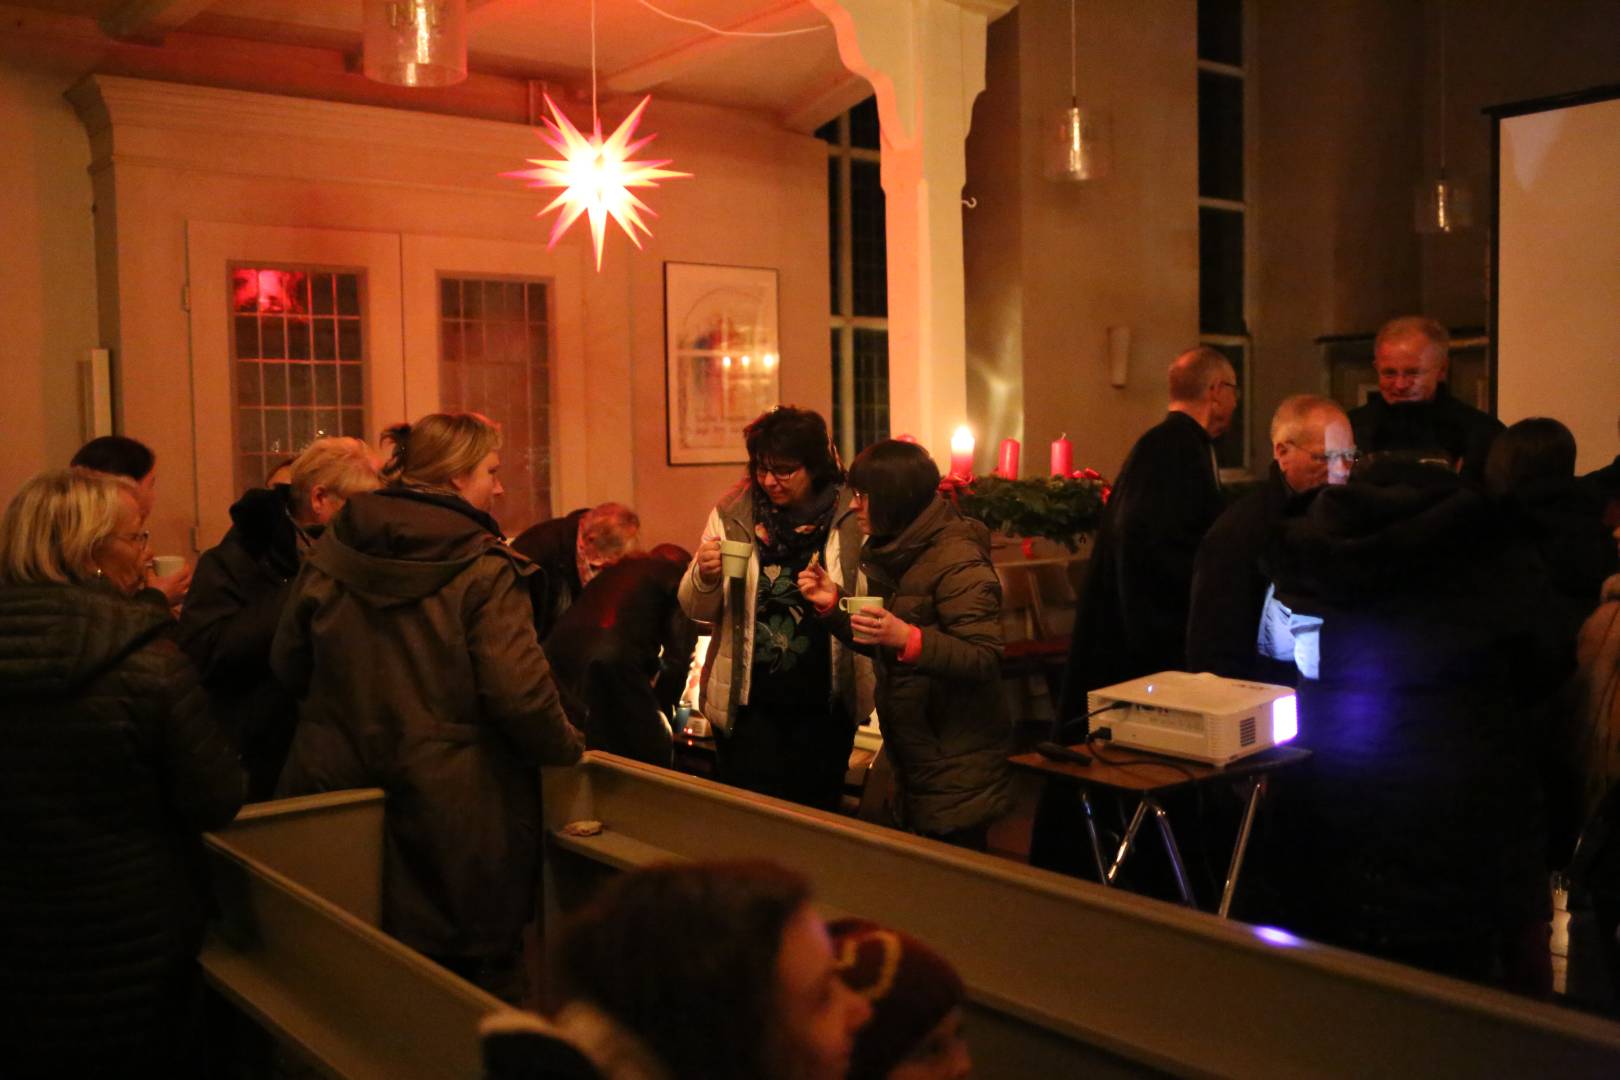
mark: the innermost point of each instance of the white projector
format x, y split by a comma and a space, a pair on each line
1201, 717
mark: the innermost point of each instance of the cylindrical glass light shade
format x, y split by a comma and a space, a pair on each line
1077, 144
416, 42
1442, 206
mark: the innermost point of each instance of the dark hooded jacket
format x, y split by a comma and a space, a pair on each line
409, 643
1442, 426
555, 584
229, 620
944, 723
112, 767
1420, 816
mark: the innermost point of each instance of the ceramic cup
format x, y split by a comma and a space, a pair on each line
853, 604
166, 565
734, 556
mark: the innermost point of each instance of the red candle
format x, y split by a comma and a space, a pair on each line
962, 452
1062, 455
1007, 464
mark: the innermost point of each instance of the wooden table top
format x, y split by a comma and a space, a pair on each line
1129, 769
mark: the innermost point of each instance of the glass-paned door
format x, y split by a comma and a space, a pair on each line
298, 345
495, 359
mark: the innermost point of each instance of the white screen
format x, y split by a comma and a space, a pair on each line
1558, 315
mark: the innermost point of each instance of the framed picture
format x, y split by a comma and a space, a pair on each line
721, 358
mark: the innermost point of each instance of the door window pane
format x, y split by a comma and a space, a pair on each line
289, 384
494, 339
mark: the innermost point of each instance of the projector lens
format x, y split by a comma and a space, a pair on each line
1284, 719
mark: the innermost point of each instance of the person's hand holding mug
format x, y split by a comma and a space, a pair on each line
170, 575
708, 560
816, 585
877, 625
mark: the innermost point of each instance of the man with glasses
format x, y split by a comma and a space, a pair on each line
1413, 415
1311, 446
571, 550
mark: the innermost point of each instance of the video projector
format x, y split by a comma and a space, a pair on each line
1201, 717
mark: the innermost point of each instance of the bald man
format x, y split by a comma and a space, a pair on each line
1311, 446
1133, 617
1413, 414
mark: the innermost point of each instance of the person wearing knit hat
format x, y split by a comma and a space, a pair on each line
916, 996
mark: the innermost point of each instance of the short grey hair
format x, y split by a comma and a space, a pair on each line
608, 531
1414, 326
1297, 412
1193, 371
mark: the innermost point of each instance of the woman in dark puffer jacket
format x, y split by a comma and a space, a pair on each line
935, 643
111, 769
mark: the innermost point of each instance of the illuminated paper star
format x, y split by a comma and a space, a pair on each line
596, 176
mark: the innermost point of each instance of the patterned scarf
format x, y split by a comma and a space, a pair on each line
786, 535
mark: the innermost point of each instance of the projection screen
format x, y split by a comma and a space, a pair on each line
1557, 311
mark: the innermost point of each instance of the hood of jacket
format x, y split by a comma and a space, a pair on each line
55, 639
400, 545
891, 557
1399, 528
262, 521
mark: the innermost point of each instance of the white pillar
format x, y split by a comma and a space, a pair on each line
925, 61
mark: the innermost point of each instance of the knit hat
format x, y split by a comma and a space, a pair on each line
910, 987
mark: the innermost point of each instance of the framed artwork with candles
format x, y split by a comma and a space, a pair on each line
721, 358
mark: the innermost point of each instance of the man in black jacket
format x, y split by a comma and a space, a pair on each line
1311, 446
240, 585
571, 550
1413, 415
1133, 616
1132, 619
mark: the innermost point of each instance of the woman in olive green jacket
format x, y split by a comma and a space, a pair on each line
935, 642
409, 643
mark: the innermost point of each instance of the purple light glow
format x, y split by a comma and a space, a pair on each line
1284, 719
1274, 936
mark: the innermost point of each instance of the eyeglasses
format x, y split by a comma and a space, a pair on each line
783, 473
1347, 457
140, 539
1232, 386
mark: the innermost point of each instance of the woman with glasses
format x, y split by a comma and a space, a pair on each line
111, 771
935, 643
784, 698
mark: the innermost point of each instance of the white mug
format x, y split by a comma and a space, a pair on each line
167, 565
853, 604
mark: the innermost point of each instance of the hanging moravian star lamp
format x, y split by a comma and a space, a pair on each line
595, 174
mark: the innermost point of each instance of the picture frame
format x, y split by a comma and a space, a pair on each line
722, 358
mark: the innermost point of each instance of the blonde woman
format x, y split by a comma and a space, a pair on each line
240, 587
111, 770
409, 644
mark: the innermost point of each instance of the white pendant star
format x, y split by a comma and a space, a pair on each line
596, 175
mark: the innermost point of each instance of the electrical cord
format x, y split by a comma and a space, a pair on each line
732, 33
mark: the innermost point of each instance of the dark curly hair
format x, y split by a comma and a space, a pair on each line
788, 435
685, 955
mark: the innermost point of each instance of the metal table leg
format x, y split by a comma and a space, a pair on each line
1257, 789
1096, 845
1175, 852
1127, 840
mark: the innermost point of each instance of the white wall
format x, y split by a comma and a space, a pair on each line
47, 277
1121, 251
758, 199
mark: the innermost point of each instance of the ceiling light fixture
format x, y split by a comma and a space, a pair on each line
1077, 143
415, 42
596, 174
1442, 205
